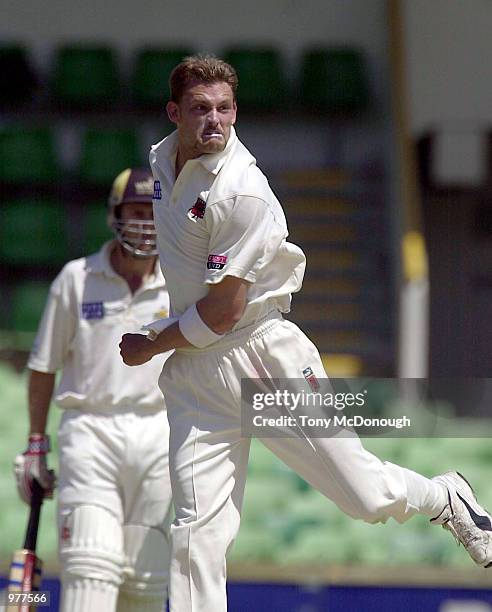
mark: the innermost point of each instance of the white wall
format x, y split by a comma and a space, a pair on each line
449, 54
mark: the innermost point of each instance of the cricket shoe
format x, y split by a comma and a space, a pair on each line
463, 516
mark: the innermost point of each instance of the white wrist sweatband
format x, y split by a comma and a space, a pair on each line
197, 332
156, 327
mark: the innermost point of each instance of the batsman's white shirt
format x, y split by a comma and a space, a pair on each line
89, 308
113, 436
218, 218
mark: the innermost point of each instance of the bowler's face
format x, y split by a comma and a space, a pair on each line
204, 117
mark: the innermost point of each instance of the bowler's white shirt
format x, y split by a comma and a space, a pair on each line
220, 217
88, 310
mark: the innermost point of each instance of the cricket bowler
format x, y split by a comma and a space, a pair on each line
221, 235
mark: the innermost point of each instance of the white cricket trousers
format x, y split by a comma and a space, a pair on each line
209, 458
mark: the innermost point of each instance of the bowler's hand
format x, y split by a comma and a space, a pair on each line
135, 349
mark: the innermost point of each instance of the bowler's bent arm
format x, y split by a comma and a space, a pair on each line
220, 310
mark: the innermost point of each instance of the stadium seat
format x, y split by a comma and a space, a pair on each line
27, 156
33, 232
28, 300
153, 65
255, 544
262, 462
105, 153
96, 231
266, 495
334, 81
17, 75
86, 77
317, 545
262, 85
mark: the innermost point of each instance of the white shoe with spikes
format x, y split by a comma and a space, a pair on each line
465, 518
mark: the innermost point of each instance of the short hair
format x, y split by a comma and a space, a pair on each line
201, 68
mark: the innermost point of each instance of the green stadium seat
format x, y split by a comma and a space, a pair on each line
387, 449
86, 77
262, 85
96, 230
266, 496
33, 232
28, 300
27, 156
317, 545
262, 462
105, 153
17, 75
312, 505
334, 81
423, 455
480, 449
153, 65
256, 544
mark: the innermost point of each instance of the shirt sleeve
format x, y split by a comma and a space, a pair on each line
245, 235
56, 329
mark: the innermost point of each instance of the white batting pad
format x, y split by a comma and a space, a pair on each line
146, 570
91, 544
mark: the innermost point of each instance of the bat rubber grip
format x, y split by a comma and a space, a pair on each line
33, 523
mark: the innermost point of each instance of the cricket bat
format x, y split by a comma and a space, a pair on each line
25, 570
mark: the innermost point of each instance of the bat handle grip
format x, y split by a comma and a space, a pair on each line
32, 526
37, 493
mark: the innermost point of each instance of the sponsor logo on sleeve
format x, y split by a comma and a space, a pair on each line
197, 211
92, 310
311, 379
216, 262
157, 190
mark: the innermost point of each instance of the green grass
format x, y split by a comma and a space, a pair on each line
13, 439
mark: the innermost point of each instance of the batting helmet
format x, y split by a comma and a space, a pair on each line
132, 185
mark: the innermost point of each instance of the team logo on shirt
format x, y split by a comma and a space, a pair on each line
92, 310
216, 262
66, 533
197, 211
163, 313
311, 379
157, 190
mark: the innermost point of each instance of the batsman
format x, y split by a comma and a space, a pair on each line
114, 491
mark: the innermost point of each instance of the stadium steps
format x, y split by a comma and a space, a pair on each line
333, 289
338, 219
325, 178
330, 232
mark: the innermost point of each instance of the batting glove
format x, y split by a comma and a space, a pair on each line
32, 464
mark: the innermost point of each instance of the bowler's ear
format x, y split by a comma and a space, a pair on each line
172, 111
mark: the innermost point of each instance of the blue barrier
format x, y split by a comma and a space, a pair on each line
247, 597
